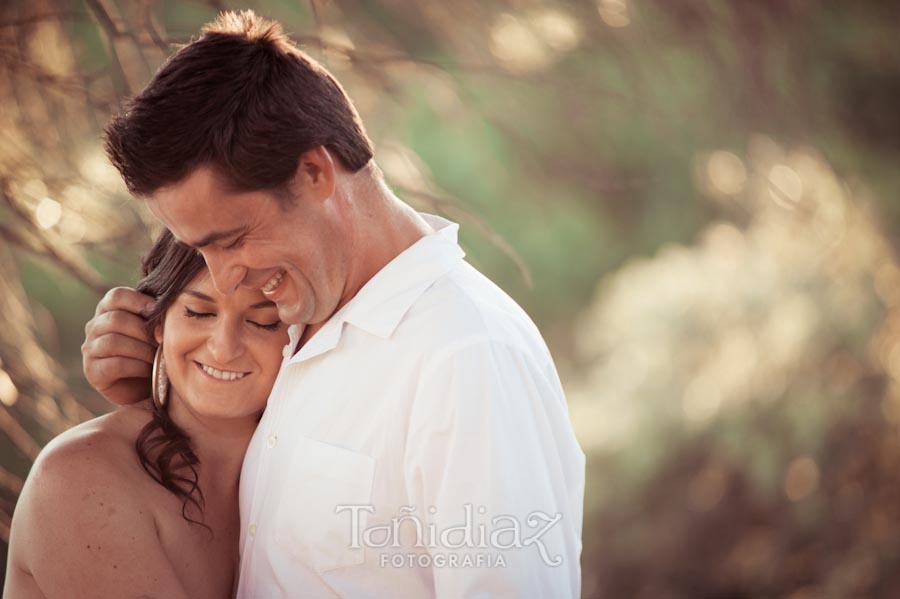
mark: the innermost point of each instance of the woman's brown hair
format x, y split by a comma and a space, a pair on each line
163, 448
241, 98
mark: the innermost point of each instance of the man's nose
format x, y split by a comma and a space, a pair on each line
226, 276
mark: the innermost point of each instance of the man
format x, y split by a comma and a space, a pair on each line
416, 442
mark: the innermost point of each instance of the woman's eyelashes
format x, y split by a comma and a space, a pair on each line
274, 326
192, 314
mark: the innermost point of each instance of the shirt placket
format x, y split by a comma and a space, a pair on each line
258, 498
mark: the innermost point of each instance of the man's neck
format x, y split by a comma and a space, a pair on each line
381, 227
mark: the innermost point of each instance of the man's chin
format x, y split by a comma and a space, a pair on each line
290, 314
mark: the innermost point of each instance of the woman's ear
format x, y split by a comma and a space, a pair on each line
158, 332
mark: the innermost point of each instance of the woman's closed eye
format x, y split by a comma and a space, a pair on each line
266, 326
192, 314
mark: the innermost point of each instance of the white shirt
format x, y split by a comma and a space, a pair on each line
430, 391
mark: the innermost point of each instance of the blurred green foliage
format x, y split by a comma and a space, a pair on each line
694, 199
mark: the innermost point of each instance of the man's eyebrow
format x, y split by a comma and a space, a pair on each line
216, 236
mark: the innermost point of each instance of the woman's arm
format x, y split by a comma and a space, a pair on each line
81, 530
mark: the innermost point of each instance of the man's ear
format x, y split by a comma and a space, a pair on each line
315, 175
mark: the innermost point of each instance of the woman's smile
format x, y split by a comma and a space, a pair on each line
227, 376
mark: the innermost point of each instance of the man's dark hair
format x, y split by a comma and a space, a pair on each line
243, 99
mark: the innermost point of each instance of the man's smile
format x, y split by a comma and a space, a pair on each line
273, 283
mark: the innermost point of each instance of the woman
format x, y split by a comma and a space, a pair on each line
143, 502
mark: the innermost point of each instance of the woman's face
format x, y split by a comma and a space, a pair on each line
222, 352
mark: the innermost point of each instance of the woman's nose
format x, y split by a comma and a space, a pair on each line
225, 344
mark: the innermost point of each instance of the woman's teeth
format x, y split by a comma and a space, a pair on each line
273, 282
222, 375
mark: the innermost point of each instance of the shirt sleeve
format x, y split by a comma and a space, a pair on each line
493, 465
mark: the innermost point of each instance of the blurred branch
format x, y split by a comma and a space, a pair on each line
38, 18
11, 481
113, 33
18, 66
16, 238
5, 523
57, 252
17, 434
152, 28
317, 19
41, 391
219, 5
103, 18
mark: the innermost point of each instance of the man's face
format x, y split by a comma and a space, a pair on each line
292, 253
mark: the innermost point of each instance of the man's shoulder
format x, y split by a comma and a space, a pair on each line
465, 306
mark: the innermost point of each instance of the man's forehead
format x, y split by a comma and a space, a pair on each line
196, 211
199, 232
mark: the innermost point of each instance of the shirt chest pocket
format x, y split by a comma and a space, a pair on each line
312, 526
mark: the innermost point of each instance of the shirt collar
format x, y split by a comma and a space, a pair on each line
386, 298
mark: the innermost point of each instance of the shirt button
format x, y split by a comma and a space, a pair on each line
272, 441
253, 530
286, 352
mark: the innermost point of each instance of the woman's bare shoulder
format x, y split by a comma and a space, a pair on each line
99, 450
94, 462
84, 518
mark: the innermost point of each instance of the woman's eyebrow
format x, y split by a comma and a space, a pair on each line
204, 297
198, 295
263, 304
